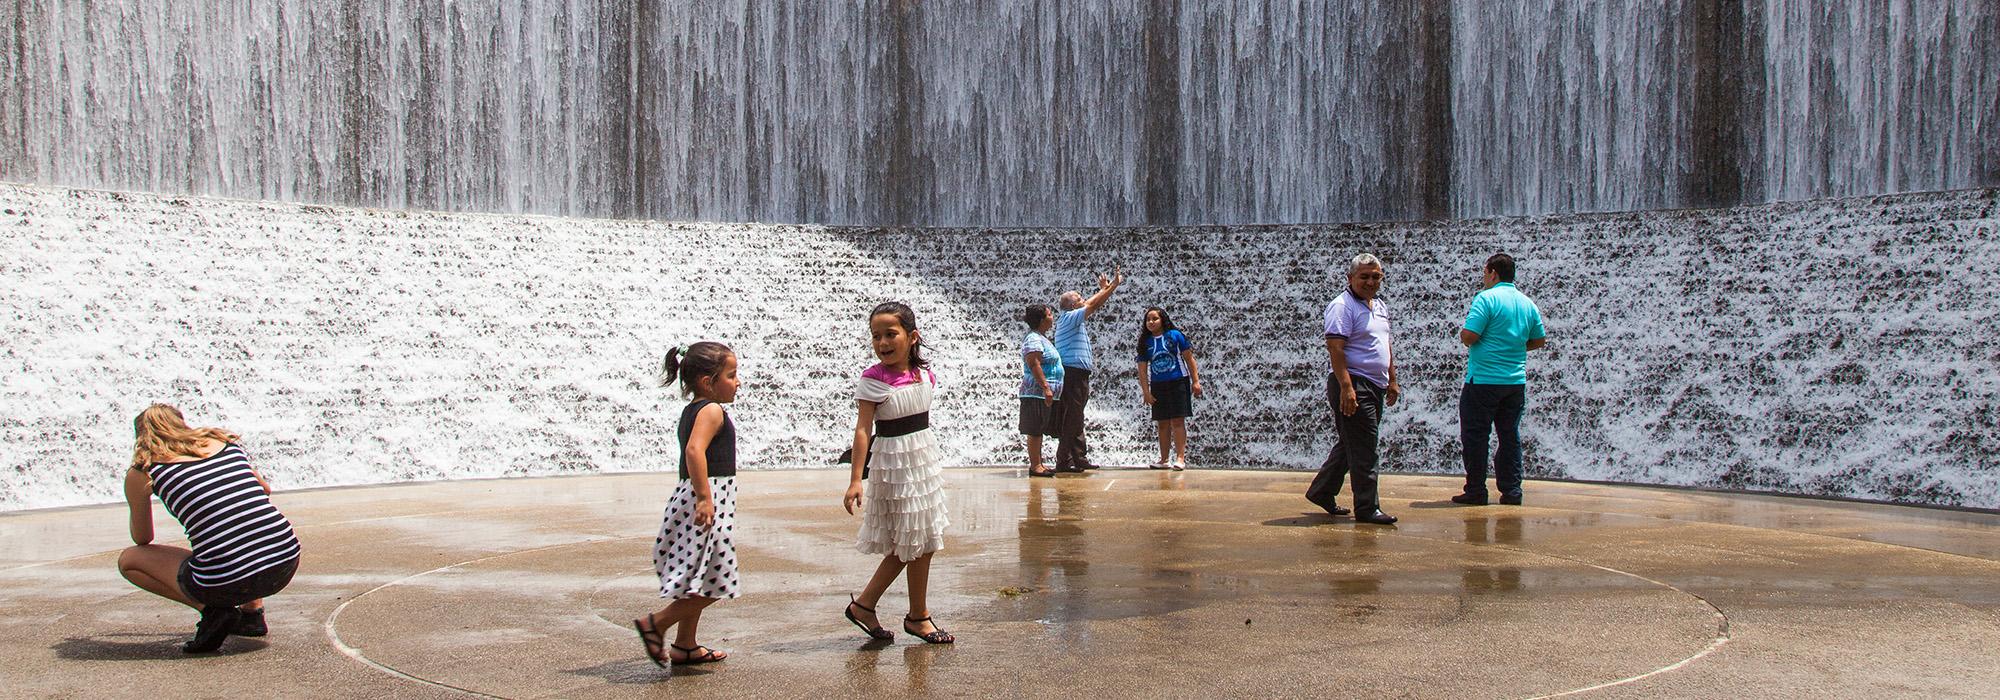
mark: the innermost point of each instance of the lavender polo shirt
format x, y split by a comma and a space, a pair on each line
1365, 327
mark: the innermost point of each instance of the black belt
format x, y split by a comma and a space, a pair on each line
898, 427
893, 427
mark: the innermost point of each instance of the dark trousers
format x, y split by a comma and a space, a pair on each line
1354, 450
1483, 408
1070, 450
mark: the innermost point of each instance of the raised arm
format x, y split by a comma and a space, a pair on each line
1105, 286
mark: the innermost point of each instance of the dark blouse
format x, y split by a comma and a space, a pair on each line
721, 450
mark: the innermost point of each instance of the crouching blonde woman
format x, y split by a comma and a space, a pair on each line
243, 548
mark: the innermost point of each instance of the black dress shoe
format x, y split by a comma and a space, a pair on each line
216, 622
1330, 507
1513, 500
1469, 499
1070, 470
1375, 517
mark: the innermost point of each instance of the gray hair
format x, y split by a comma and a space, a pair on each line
1071, 300
1362, 260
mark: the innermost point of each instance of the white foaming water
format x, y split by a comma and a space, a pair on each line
1833, 347
1004, 112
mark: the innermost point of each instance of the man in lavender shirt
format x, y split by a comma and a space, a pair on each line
1363, 380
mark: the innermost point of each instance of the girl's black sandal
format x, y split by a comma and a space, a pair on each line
936, 636
656, 644
873, 632
707, 655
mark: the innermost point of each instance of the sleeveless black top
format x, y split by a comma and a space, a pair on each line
721, 449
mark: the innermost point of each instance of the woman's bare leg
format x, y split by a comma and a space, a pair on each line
1165, 429
156, 568
1035, 452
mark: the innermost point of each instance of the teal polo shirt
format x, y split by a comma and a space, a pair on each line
1505, 320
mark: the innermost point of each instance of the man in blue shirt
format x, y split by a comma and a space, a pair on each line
1500, 328
1073, 344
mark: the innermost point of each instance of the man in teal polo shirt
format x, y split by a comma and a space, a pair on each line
1500, 328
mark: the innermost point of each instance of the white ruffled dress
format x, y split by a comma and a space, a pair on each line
903, 511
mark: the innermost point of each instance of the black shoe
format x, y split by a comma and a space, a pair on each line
1333, 509
249, 623
216, 621
1044, 472
1070, 470
1086, 466
876, 632
1469, 499
1510, 500
936, 636
1375, 517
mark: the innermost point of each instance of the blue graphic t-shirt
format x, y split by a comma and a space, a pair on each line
1162, 356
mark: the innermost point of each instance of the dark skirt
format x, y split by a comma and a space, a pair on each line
1038, 417
1172, 399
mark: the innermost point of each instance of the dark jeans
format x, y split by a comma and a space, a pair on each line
1070, 450
1482, 408
1354, 450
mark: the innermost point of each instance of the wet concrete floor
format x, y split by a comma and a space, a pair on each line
1119, 583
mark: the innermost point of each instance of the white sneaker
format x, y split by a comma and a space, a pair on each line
1162, 464
1180, 464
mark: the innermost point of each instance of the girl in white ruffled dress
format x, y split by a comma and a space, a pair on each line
903, 512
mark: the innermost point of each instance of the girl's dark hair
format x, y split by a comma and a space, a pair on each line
703, 359
908, 320
1166, 324
1036, 315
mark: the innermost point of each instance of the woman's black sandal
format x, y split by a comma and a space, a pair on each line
936, 636
873, 632
656, 644
707, 655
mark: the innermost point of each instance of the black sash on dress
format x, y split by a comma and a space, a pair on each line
893, 427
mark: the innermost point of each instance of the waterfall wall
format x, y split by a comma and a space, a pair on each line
1838, 347
1009, 113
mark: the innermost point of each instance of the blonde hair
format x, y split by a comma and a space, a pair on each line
160, 434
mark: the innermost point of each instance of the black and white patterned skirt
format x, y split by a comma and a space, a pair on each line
694, 561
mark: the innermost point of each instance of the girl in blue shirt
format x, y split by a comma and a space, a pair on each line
1168, 379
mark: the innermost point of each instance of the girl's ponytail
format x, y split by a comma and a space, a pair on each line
670, 368
685, 365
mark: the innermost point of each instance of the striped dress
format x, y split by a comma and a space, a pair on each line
231, 525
